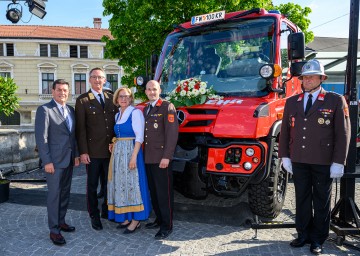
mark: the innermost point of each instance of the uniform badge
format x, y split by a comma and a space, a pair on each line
327, 122
91, 96
171, 118
156, 125
321, 97
321, 120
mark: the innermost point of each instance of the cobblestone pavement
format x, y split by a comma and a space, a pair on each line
207, 227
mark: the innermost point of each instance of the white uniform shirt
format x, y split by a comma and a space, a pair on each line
314, 94
138, 121
96, 94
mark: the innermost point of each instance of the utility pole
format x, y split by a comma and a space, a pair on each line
348, 211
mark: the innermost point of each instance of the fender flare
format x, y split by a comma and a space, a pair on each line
270, 140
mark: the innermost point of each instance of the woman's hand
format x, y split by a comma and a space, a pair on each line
111, 147
132, 164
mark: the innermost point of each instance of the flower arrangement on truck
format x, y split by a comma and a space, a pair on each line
229, 76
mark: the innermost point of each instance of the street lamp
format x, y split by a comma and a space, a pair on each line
14, 10
37, 7
13, 13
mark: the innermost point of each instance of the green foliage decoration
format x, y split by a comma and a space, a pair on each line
140, 27
9, 101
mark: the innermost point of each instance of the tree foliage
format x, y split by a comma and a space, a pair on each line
8, 99
139, 27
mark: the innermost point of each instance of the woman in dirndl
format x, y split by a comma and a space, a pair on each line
128, 192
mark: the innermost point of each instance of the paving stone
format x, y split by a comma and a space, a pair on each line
23, 229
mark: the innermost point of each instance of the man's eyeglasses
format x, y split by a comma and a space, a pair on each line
126, 97
97, 77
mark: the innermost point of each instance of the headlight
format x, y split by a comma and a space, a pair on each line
270, 71
249, 151
266, 71
139, 81
247, 166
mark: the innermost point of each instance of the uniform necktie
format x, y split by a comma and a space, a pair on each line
66, 116
308, 103
101, 101
150, 108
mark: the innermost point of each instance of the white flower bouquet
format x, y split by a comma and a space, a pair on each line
190, 92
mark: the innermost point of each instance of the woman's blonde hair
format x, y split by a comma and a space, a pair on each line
117, 92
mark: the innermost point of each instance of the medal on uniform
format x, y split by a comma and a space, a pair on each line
321, 120
156, 125
327, 122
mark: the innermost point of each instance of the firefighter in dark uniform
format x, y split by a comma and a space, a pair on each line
95, 120
314, 142
161, 134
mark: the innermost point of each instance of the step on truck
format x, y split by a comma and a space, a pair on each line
229, 145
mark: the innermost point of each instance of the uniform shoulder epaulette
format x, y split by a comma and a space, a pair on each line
334, 93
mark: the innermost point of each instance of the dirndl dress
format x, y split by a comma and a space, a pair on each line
128, 192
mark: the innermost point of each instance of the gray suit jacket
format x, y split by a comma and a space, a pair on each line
55, 143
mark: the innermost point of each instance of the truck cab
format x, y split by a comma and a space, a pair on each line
229, 145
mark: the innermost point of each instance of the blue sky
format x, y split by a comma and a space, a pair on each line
329, 18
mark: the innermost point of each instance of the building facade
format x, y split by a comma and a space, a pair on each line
35, 56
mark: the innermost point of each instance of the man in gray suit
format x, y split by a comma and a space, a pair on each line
56, 143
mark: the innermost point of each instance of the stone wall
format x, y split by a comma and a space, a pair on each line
17, 147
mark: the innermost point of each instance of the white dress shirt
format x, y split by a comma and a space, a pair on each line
66, 113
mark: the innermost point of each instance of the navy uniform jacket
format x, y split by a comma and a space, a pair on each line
161, 132
322, 137
95, 125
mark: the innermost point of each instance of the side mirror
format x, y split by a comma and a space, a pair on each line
154, 61
296, 46
295, 68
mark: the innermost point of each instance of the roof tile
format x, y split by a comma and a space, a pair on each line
52, 32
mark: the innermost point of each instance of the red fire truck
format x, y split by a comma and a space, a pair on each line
230, 145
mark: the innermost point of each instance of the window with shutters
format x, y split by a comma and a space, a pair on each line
2, 50
73, 51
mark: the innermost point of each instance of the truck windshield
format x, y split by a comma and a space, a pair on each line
227, 56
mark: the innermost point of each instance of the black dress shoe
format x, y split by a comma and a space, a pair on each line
298, 242
128, 231
120, 226
104, 215
316, 248
66, 228
162, 234
96, 223
152, 225
57, 239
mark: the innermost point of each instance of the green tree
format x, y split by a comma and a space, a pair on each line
139, 27
8, 99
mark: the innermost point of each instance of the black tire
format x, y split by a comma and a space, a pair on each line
267, 198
